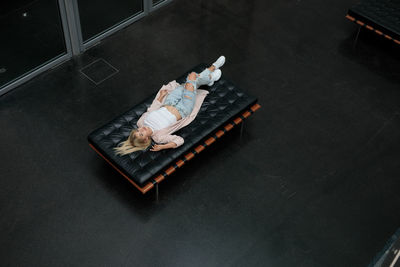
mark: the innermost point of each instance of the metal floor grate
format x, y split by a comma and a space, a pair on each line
98, 71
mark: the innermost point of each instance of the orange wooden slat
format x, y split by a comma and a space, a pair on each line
369, 27
350, 17
360, 23
219, 133
199, 148
210, 140
237, 120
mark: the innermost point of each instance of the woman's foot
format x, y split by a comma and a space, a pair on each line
215, 75
219, 63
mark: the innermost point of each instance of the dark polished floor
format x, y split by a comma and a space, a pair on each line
315, 181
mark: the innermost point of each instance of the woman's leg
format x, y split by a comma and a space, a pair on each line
194, 80
188, 96
187, 102
204, 77
174, 96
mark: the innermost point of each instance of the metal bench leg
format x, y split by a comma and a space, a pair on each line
156, 192
358, 33
241, 131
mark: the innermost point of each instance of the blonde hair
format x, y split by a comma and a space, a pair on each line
131, 144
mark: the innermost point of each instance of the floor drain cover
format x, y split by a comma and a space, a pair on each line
98, 71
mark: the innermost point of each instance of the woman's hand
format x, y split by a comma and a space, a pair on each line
164, 146
163, 93
157, 147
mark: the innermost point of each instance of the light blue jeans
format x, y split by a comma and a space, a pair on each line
182, 99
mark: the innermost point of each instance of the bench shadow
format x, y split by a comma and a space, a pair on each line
376, 53
170, 190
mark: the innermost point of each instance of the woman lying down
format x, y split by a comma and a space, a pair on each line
174, 107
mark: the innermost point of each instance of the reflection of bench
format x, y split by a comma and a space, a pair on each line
390, 254
382, 17
223, 108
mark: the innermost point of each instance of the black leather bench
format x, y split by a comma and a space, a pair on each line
382, 17
223, 108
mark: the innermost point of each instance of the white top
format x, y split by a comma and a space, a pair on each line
159, 119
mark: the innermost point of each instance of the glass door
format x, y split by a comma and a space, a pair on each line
32, 35
40, 34
97, 17
156, 2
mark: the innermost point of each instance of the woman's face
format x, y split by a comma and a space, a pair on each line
143, 133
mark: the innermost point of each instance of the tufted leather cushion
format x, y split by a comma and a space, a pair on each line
224, 101
383, 15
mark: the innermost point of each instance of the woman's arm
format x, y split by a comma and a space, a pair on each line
163, 146
167, 141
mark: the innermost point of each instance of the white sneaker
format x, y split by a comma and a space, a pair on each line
220, 61
215, 75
